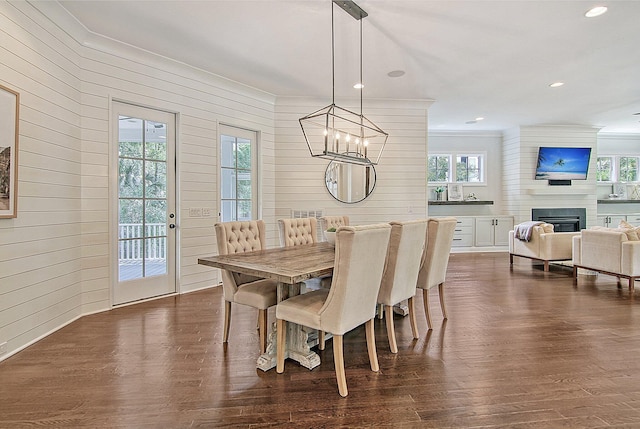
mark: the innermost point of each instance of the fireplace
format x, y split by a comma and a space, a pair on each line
563, 220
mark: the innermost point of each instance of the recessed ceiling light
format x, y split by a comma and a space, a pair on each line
595, 11
556, 84
396, 73
637, 113
480, 118
471, 122
358, 85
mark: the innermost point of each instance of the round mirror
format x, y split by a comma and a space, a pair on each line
349, 183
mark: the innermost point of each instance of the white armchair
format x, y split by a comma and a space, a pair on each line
543, 245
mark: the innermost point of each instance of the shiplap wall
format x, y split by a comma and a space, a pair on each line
40, 250
400, 192
523, 192
54, 258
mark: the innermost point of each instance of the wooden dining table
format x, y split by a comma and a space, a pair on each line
288, 266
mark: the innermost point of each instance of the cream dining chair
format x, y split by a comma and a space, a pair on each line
435, 261
404, 255
294, 232
240, 237
350, 302
327, 222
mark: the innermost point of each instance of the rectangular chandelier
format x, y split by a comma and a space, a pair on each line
339, 134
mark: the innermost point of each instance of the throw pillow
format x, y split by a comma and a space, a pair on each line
630, 230
547, 227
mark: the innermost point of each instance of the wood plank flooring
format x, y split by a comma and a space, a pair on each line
521, 349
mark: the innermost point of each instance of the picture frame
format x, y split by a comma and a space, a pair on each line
9, 119
454, 192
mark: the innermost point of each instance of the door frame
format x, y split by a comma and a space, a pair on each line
113, 202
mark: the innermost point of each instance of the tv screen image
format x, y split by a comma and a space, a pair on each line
563, 163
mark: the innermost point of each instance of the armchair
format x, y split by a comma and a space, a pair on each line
544, 245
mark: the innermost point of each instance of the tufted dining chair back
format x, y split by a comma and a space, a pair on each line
239, 237
404, 257
436, 260
327, 222
294, 232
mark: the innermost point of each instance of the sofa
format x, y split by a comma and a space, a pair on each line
612, 251
543, 244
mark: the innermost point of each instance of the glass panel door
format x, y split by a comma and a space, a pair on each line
146, 219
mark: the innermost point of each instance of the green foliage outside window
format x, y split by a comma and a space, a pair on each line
603, 169
438, 168
628, 169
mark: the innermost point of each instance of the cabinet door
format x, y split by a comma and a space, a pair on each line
615, 220
484, 231
502, 227
603, 220
611, 221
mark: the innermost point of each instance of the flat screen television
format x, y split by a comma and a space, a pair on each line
563, 163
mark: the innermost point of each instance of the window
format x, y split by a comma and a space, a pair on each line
619, 168
628, 169
237, 174
604, 169
438, 168
468, 168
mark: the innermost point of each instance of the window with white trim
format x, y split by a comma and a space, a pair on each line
618, 168
456, 167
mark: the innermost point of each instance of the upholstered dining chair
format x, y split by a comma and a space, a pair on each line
240, 237
297, 231
350, 302
435, 261
327, 222
404, 255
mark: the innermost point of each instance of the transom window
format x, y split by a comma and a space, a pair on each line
617, 168
456, 168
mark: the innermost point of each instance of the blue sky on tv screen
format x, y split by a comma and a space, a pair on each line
563, 160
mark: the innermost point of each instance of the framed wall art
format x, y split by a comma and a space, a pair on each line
454, 192
9, 117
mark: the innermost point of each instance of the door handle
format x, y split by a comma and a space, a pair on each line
172, 225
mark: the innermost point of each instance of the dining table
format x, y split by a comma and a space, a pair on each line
289, 266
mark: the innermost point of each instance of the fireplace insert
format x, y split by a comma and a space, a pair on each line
563, 220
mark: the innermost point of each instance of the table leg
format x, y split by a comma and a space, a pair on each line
300, 339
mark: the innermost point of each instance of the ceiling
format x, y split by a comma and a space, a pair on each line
490, 59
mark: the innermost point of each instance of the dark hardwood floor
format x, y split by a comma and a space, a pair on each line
521, 349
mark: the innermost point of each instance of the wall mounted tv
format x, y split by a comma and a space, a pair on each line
561, 165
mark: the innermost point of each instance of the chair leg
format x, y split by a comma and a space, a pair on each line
371, 345
227, 321
546, 266
321, 340
441, 293
425, 300
412, 319
338, 358
262, 327
281, 328
380, 311
391, 333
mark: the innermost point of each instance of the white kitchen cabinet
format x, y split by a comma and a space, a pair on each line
611, 221
463, 234
493, 230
